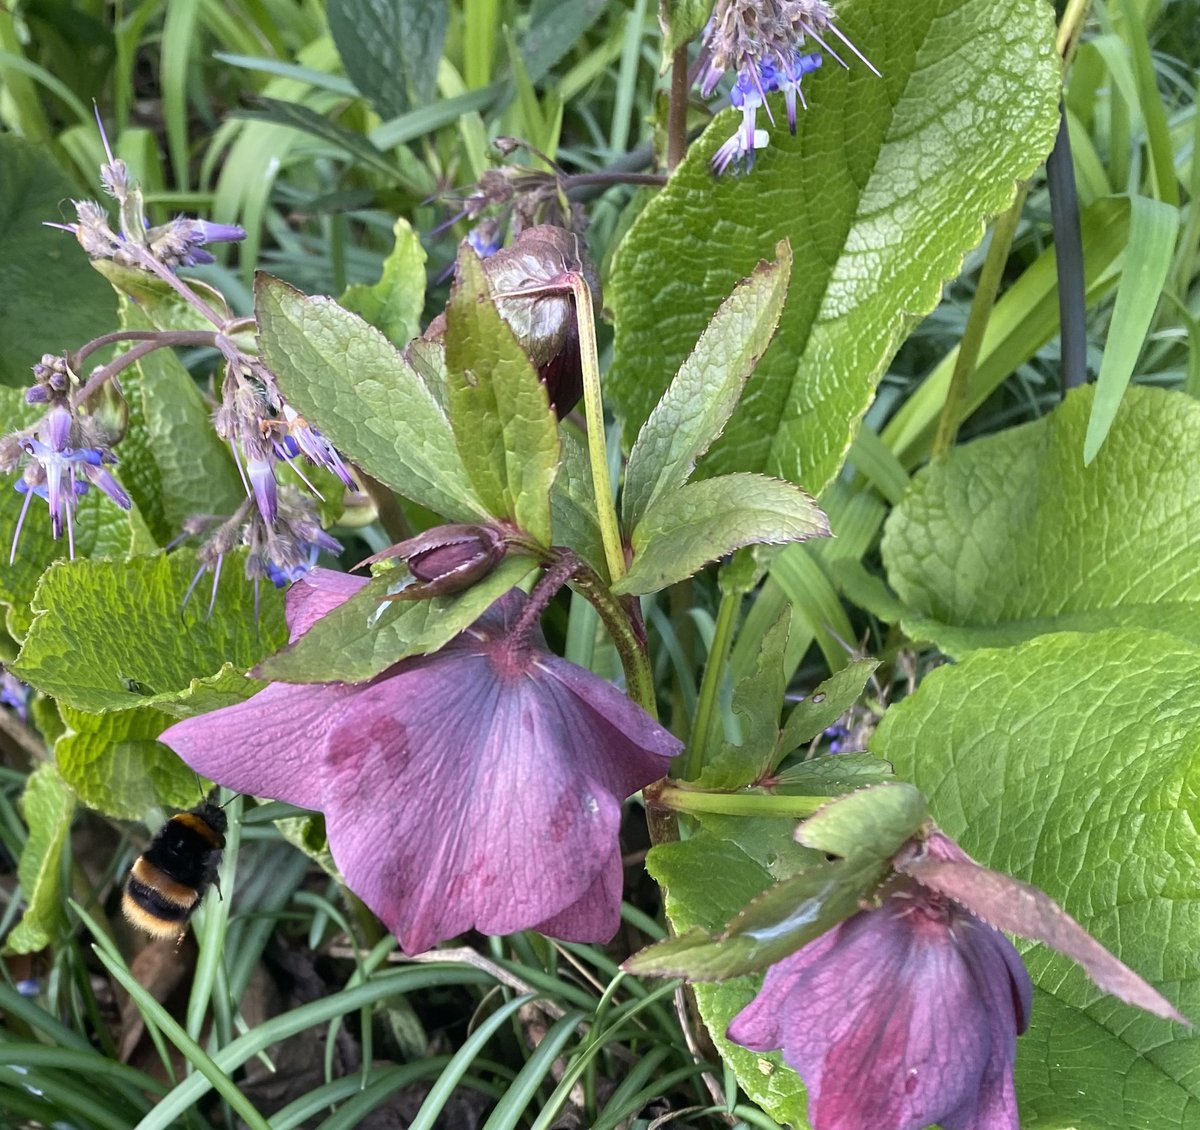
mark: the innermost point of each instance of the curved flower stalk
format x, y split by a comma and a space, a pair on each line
478, 786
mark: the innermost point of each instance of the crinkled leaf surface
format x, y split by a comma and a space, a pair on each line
689, 527
47, 806
101, 529
885, 187
350, 381
499, 410
1012, 536
116, 766
172, 462
394, 304
42, 270
705, 391
390, 48
1072, 761
362, 636
115, 635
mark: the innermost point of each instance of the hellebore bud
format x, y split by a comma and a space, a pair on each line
446, 559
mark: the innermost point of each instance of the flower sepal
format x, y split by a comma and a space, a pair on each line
444, 560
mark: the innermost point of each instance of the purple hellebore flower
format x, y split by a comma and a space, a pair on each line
901, 1016
479, 786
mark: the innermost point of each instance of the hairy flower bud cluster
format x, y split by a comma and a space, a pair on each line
762, 43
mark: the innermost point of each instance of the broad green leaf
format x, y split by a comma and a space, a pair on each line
702, 521
499, 410
172, 462
882, 191
115, 635
706, 881
1012, 536
47, 806
362, 636
1070, 762
348, 379
699, 400
394, 304
115, 766
1153, 227
757, 701
390, 48
825, 705
101, 529
42, 271
573, 504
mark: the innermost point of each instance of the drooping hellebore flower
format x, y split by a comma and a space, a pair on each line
901, 1016
479, 786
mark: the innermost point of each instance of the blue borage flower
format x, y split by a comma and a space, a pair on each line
61, 473
761, 42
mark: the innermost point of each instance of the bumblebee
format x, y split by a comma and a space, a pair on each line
168, 880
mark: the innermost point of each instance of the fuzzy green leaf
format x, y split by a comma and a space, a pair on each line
115, 766
705, 391
884, 188
499, 410
42, 271
350, 381
362, 636
395, 303
1070, 762
1012, 536
47, 806
115, 635
702, 521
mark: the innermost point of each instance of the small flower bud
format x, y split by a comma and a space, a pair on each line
446, 559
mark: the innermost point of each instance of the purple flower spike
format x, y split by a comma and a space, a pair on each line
479, 786
899, 1017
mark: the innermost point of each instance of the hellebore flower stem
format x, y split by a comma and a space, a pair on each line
606, 511
747, 802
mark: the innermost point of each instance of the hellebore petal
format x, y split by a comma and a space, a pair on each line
478, 786
900, 1017
482, 787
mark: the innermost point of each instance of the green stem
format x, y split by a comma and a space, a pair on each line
748, 802
710, 685
606, 510
977, 322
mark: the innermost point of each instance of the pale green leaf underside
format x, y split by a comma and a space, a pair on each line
1073, 762
885, 187
1012, 536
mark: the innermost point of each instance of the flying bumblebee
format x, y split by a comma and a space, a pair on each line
168, 880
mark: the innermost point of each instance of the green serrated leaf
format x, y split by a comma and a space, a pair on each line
825, 705
705, 520
1012, 536
47, 806
869, 825
352, 383
390, 48
705, 391
1070, 761
395, 303
42, 270
499, 410
757, 700
172, 462
573, 504
115, 766
832, 774
362, 636
115, 635
884, 188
